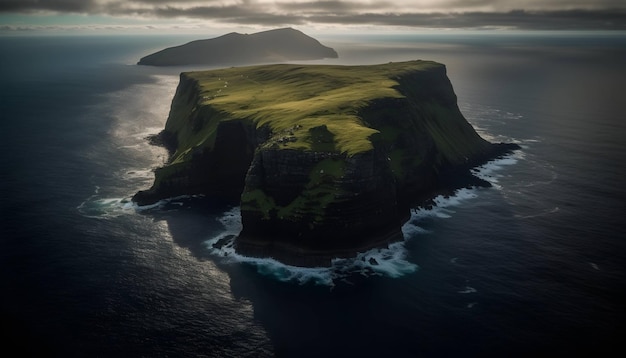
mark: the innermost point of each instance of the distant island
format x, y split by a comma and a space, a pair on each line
279, 45
324, 160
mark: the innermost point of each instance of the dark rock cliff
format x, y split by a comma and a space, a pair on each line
303, 200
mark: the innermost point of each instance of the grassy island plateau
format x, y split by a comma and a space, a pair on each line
324, 160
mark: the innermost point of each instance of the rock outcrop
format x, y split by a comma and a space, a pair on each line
277, 45
325, 161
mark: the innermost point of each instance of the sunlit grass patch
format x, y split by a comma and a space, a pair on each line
283, 97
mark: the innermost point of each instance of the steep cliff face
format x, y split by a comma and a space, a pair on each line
210, 155
325, 161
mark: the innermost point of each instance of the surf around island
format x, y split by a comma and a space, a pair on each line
324, 161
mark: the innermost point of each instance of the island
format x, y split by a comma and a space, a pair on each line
324, 160
278, 45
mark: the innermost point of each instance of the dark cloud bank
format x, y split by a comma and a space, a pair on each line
332, 12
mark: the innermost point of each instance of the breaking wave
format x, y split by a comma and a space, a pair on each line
389, 261
491, 171
97, 207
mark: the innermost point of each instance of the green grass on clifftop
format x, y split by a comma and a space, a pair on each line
306, 106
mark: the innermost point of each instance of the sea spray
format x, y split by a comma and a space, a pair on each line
383, 262
106, 208
490, 171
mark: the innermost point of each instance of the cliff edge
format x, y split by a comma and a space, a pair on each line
324, 160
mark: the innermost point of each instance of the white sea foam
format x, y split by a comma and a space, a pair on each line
133, 174
409, 229
487, 120
441, 208
107, 208
222, 245
389, 261
468, 289
146, 132
490, 171
545, 212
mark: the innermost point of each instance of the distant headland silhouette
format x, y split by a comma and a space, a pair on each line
278, 45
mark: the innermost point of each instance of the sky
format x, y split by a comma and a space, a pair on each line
24, 15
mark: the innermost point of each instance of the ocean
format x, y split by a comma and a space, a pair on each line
535, 264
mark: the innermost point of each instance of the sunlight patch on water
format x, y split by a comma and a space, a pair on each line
137, 111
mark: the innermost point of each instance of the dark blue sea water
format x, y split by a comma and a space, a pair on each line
536, 264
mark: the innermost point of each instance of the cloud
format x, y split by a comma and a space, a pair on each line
73, 6
518, 19
521, 14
